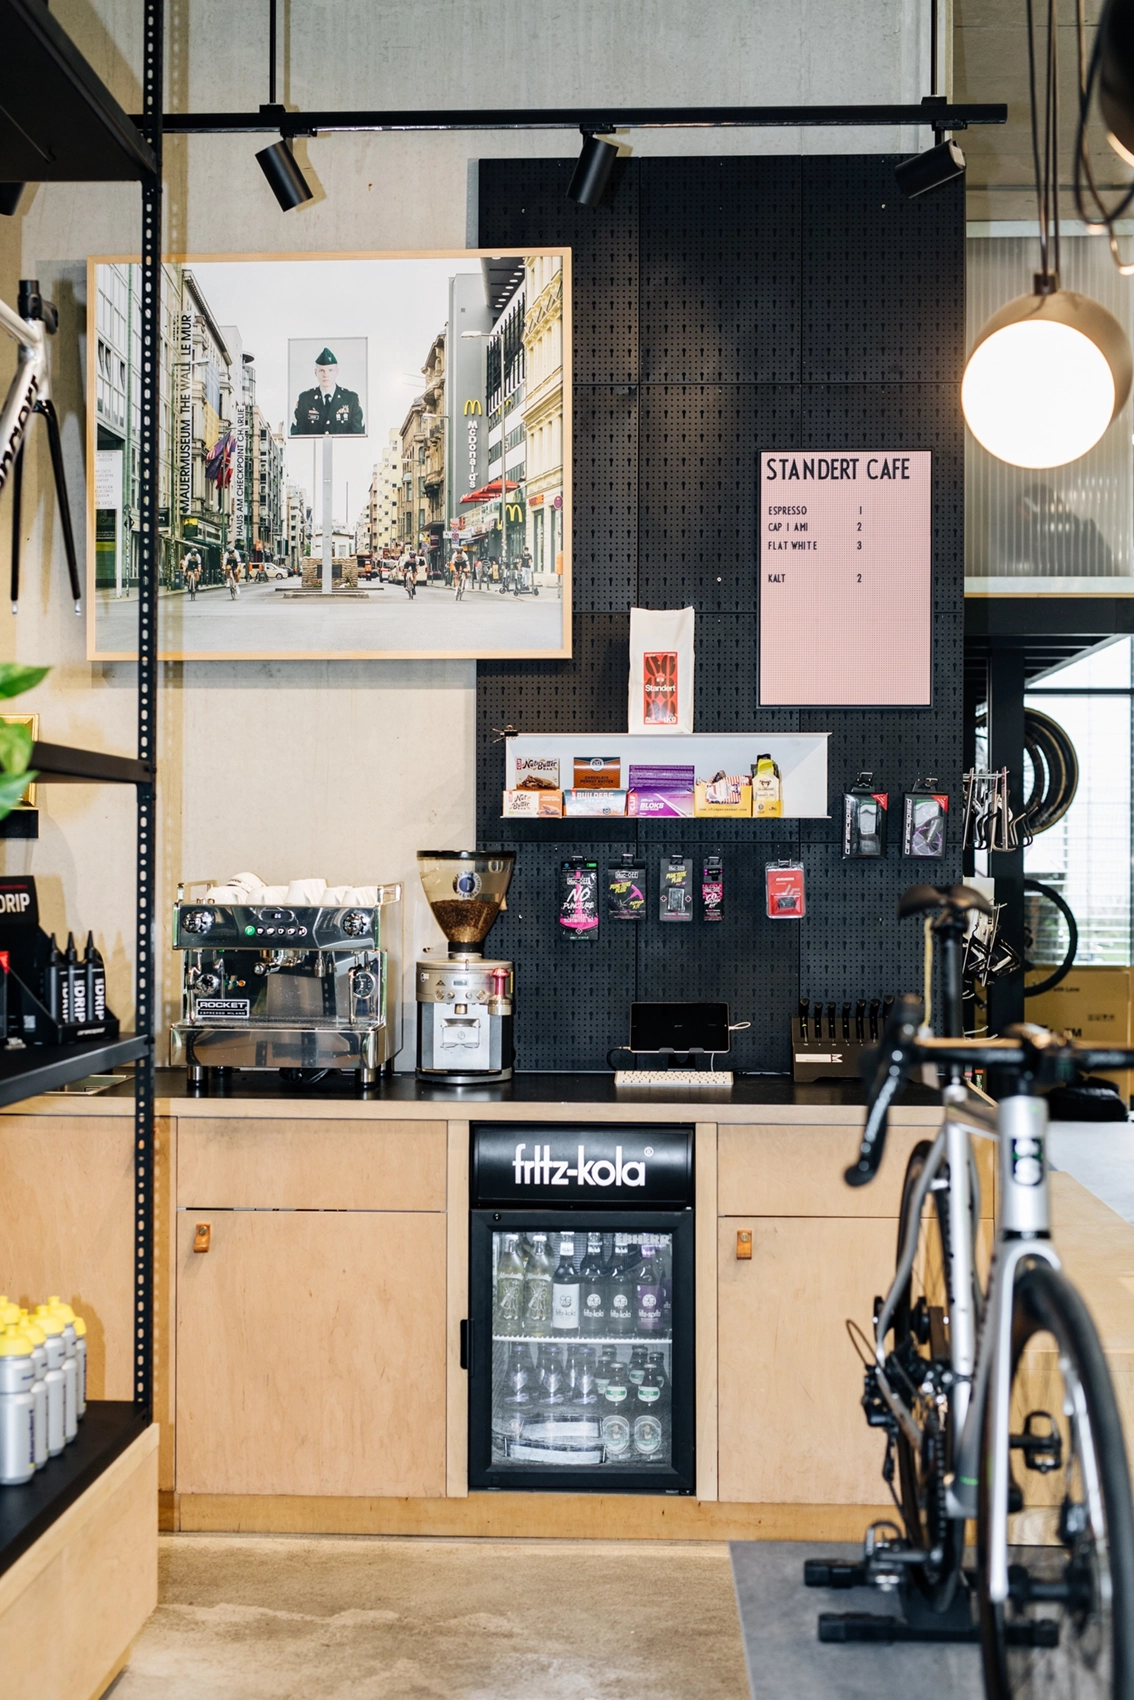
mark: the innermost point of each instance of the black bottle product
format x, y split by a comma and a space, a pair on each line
94, 976
53, 981
75, 984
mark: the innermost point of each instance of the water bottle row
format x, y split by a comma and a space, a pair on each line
43, 1385
622, 1285
572, 1405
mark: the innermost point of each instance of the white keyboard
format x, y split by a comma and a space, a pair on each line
672, 1077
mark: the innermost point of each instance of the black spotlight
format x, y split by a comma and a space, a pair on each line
288, 183
930, 170
591, 176
10, 197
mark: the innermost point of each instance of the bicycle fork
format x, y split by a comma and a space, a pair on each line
1024, 1211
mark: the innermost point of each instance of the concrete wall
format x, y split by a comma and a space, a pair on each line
345, 769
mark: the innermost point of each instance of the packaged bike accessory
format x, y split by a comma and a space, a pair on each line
712, 889
661, 670
626, 890
675, 895
784, 881
578, 898
925, 811
864, 820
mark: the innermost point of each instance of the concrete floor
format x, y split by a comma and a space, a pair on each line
1100, 1157
284, 1618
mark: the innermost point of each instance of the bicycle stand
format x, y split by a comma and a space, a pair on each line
887, 1564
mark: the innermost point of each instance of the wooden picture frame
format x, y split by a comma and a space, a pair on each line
431, 554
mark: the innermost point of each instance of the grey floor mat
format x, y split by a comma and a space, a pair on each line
785, 1657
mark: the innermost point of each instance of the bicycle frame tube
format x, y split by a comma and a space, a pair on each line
28, 387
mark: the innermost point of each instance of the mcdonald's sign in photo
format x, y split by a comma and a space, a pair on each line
407, 491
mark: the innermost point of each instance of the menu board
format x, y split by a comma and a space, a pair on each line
845, 578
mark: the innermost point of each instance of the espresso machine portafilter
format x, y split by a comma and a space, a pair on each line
464, 1001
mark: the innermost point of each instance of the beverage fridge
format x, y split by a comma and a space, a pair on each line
579, 1336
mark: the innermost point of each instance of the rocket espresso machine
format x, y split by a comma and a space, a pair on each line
464, 1001
303, 981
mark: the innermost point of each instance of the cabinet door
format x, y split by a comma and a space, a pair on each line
791, 1429
311, 1353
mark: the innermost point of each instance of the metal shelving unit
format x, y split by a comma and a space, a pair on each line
93, 139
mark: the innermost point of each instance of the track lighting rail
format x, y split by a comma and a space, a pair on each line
598, 120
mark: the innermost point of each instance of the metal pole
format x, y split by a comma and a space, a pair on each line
149, 448
328, 514
1006, 749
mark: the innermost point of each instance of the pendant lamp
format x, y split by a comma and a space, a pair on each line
1047, 375
1051, 370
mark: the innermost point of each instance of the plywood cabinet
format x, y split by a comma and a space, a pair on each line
791, 1429
311, 1353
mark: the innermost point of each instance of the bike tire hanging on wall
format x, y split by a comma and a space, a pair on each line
1064, 968
1055, 770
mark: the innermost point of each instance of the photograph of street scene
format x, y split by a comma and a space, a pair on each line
360, 457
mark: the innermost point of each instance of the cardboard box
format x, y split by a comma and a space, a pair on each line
536, 773
598, 773
533, 805
660, 804
661, 776
731, 795
594, 802
1092, 1004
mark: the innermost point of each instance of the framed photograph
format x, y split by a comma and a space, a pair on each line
363, 456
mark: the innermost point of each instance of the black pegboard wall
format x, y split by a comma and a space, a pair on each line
723, 307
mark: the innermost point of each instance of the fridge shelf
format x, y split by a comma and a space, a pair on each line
584, 1339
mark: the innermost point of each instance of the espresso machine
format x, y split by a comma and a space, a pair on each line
302, 988
464, 1000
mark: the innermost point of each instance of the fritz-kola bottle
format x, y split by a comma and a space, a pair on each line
537, 1289
649, 1293
592, 1289
510, 1287
621, 1289
565, 1290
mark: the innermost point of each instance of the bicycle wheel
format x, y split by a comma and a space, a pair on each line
1067, 1628
922, 1366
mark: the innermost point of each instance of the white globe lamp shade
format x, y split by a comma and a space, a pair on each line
1045, 379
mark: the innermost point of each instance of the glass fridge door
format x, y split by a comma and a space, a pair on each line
582, 1349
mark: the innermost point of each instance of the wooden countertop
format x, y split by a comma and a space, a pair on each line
544, 1097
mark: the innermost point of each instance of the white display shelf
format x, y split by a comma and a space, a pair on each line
800, 756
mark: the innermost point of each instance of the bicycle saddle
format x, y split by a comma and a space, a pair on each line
956, 900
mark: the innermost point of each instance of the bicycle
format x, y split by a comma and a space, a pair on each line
28, 393
966, 1383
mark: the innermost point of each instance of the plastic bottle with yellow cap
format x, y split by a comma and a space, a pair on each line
52, 1327
81, 1360
66, 1315
17, 1408
29, 1326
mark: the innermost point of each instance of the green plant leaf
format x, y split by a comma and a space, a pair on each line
14, 679
12, 788
15, 748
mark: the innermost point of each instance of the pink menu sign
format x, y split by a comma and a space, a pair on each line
845, 564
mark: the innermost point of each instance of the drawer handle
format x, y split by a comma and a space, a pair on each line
202, 1237
743, 1243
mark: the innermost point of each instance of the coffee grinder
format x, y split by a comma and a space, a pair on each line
464, 1001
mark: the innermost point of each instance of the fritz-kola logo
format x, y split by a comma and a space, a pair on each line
544, 1170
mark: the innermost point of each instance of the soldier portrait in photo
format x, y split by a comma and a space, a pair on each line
332, 404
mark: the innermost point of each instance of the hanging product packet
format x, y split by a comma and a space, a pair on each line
675, 893
712, 889
864, 820
925, 812
626, 890
661, 670
784, 883
578, 898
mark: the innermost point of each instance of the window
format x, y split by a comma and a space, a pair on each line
1087, 855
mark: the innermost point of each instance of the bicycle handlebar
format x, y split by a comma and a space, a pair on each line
1043, 1058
